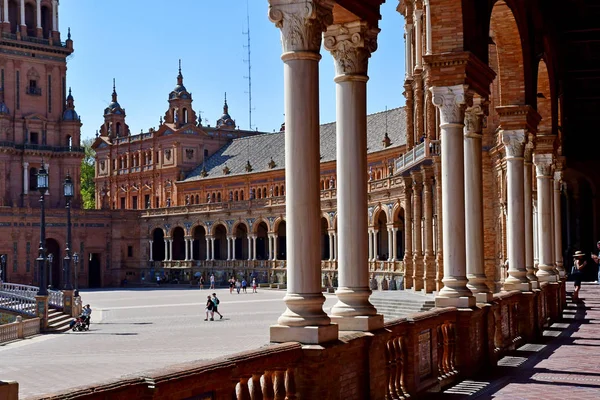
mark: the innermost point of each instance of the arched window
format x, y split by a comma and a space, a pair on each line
322, 184
379, 174
276, 191
46, 21
30, 19
197, 199
69, 142
219, 197
265, 192
242, 195
33, 179
214, 197
259, 194
118, 129
192, 199
282, 190
236, 196
185, 116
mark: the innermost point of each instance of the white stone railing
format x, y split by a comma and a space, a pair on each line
21, 290
414, 156
55, 299
17, 303
19, 329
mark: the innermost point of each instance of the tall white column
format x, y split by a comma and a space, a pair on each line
6, 17
55, 15
212, 248
351, 45
25, 171
418, 16
543, 164
275, 247
428, 42
302, 23
22, 9
187, 249
335, 246
514, 143
451, 102
249, 248
38, 12
228, 248
529, 264
166, 250
408, 56
535, 235
375, 244
558, 250
170, 249
330, 236
370, 240
474, 202
394, 244
390, 232
151, 256
207, 248
233, 248
254, 247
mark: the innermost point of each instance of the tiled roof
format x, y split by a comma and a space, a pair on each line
260, 149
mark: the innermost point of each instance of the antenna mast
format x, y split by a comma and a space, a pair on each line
249, 62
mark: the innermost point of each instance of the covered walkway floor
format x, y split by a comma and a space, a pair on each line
565, 364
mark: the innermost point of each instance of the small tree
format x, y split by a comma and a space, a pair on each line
88, 187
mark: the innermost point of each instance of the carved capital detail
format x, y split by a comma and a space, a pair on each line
514, 143
543, 165
474, 118
451, 100
302, 22
351, 45
529, 146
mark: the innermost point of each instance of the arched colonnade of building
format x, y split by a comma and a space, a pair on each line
35, 18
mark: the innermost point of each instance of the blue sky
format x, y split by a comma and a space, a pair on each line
139, 43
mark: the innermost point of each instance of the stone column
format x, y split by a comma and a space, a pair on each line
558, 249
370, 240
529, 264
408, 51
275, 247
25, 172
249, 248
22, 14
408, 245
474, 202
302, 23
151, 257
514, 143
351, 45
375, 244
543, 164
418, 40
207, 238
439, 254
429, 283
38, 12
394, 244
451, 102
170, 249
390, 233
330, 236
187, 249
228, 248
6, 19
55, 15
335, 246
212, 248
428, 28
417, 180
166, 249
254, 248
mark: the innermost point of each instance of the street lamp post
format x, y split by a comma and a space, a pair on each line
42, 185
68, 192
76, 261
2, 267
50, 269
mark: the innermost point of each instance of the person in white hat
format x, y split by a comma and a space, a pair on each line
577, 271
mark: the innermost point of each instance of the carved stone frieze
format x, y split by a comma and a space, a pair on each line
302, 22
514, 143
451, 100
351, 45
543, 164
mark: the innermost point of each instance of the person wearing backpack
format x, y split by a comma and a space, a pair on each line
216, 302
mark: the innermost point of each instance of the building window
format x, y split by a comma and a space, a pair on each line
33, 88
147, 200
156, 202
135, 203
49, 94
129, 251
18, 90
33, 179
34, 138
122, 203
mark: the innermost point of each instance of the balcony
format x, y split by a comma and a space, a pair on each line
42, 147
12, 37
33, 91
415, 156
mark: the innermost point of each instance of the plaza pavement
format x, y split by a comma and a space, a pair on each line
134, 330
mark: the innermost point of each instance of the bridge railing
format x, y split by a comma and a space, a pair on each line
19, 329
21, 290
17, 303
55, 298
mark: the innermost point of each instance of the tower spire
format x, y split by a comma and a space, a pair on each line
114, 93
180, 76
225, 106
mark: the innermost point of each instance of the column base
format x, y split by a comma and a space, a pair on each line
363, 323
521, 286
304, 334
534, 284
484, 297
458, 302
547, 278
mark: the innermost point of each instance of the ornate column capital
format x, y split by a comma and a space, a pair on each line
351, 45
417, 181
474, 116
451, 100
529, 146
514, 142
543, 165
302, 23
558, 175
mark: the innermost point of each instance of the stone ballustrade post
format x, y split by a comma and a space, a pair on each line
351, 45
474, 201
514, 143
529, 263
302, 23
543, 164
417, 181
451, 101
558, 256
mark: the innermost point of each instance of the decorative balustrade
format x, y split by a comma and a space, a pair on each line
17, 303
19, 329
56, 299
220, 264
21, 290
416, 155
386, 266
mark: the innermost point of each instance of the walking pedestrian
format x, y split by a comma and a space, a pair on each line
216, 301
201, 282
254, 285
244, 285
212, 281
210, 307
231, 284
579, 265
238, 286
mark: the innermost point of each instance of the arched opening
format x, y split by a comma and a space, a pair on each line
178, 244
264, 193
185, 116
325, 253
282, 190
241, 242
199, 243
242, 195
118, 129
259, 193
13, 15
261, 241
399, 225
220, 242
46, 21
69, 142
276, 191
214, 198
281, 241
219, 197
33, 178
544, 100
54, 270
30, 19
158, 245
382, 236
197, 199
236, 196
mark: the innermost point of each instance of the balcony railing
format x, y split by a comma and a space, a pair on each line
42, 147
417, 154
33, 39
34, 91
